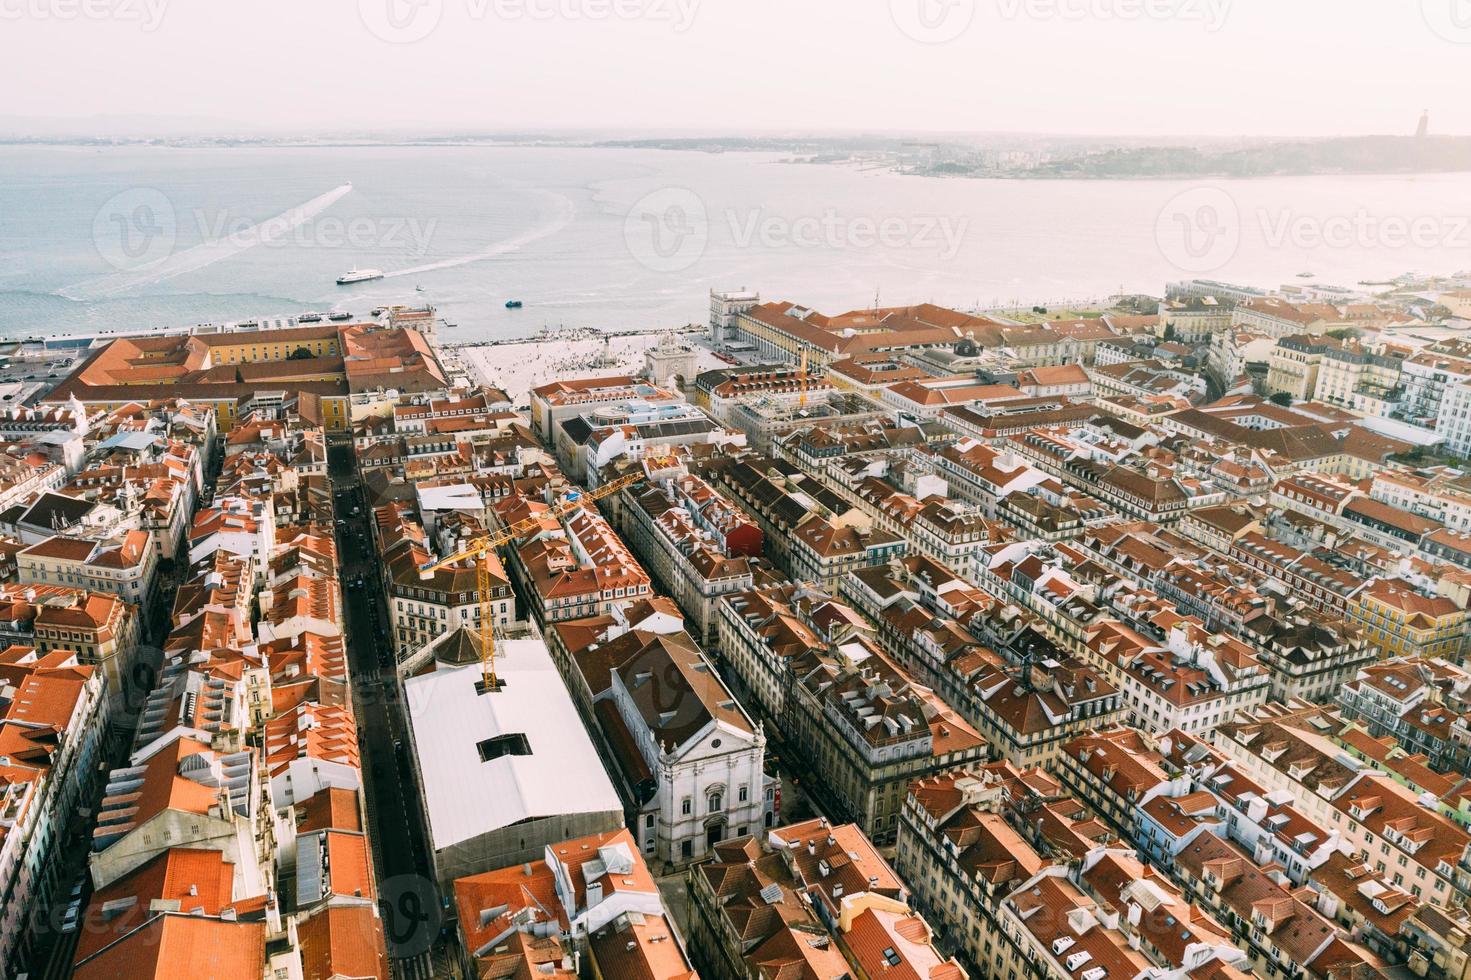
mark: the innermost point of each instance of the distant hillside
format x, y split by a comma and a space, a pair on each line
1353, 155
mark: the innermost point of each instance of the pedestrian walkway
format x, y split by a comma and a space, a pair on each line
436, 964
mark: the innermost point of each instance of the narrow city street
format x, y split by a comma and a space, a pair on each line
413, 913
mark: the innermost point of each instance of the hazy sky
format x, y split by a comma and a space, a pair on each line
1272, 67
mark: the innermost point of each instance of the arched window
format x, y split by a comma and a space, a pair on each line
715, 802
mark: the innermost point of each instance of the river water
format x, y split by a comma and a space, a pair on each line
126, 237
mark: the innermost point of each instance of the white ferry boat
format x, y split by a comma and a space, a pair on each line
359, 275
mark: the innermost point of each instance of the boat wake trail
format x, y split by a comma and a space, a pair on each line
560, 220
206, 253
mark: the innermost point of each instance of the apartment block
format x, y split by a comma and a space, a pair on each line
695, 542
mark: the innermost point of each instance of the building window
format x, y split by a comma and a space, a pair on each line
715, 802
685, 806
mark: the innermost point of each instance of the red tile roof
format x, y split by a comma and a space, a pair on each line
183, 946
343, 942
201, 881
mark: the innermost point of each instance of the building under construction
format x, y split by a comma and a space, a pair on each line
502, 772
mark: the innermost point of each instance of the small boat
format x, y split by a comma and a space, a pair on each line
339, 316
513, 304
359, 275
1305, 275
309, 318
418, 289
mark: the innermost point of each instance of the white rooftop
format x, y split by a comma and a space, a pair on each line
467, 796
460, 496
1399, 430
131, 440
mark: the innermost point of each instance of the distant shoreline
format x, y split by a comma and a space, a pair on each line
1371, 156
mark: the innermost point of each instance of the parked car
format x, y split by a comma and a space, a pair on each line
72, 917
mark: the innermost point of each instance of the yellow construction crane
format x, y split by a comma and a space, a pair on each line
802, 399
482, 548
